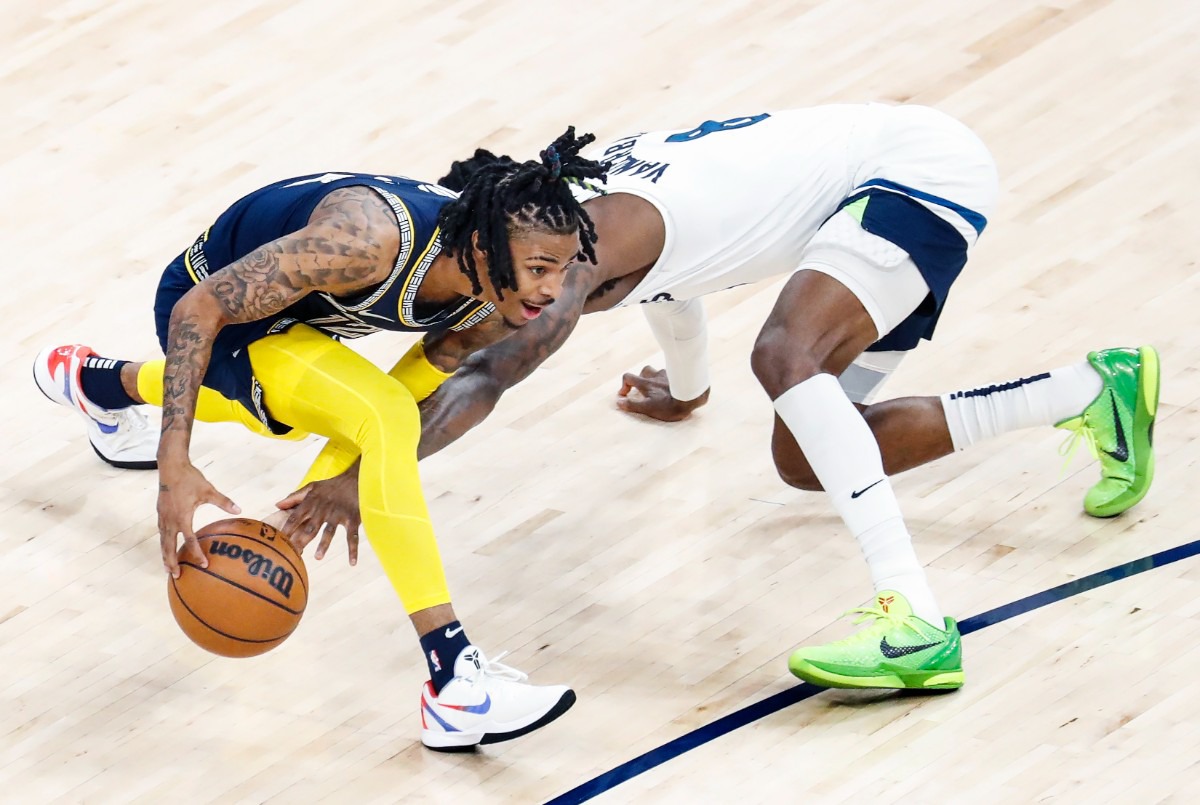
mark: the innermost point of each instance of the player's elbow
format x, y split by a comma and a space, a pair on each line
200, 311
486, 379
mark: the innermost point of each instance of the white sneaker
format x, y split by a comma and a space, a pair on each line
485, 703
122, 437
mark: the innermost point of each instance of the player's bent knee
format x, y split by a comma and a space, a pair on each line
392, 419
779, 363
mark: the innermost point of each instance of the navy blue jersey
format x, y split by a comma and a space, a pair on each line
282, 208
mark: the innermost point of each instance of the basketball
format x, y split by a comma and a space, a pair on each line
251, 595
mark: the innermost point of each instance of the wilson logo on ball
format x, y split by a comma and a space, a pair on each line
257, 565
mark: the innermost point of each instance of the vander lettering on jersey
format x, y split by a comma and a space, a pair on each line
622, 161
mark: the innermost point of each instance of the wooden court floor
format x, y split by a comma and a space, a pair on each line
662, 570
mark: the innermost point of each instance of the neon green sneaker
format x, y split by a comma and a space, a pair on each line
898, 650
1118, 427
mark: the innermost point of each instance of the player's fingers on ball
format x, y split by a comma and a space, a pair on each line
296, 540
213, 496
352, 544
293, 499
191, 552
171, 563
167, 547
289, 527
648, 371
191, 548
303, 533
225, 503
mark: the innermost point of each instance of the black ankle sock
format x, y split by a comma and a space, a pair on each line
442, 647
101, 382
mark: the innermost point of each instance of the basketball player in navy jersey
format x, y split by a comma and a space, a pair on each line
249, 317
873, 210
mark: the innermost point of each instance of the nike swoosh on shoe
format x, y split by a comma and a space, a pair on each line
892, 652
1122, 451
480, 708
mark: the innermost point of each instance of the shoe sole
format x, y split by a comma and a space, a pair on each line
561, 706
918, 680
1144, 416
124, 465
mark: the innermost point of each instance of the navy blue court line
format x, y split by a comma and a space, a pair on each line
776, 702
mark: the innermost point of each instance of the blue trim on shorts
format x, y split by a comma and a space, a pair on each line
936, 247
977, 221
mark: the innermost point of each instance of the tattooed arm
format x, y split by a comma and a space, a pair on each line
350, 243
466, 399
449, 349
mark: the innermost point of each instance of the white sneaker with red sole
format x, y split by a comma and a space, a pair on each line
486, 703
121, 437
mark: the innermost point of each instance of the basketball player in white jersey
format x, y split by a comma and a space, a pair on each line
873, 210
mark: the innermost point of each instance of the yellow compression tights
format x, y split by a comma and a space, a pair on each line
316, 384
210, 407
417, 374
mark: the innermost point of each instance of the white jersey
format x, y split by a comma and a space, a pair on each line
741, 198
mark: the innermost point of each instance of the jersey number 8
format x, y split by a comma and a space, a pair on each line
711, 126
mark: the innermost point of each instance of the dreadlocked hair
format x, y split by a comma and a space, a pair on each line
462, 170
501, 198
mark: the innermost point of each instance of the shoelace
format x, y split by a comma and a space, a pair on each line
132, 418
131, 425
495, 669
876, 614
125, 418
1080, 434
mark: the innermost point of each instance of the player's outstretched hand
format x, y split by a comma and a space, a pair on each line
181, 490
648, 393
318, 509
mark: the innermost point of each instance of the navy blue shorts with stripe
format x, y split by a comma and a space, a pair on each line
935, 246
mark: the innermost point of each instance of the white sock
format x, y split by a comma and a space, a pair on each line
1044, 399
845, 457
